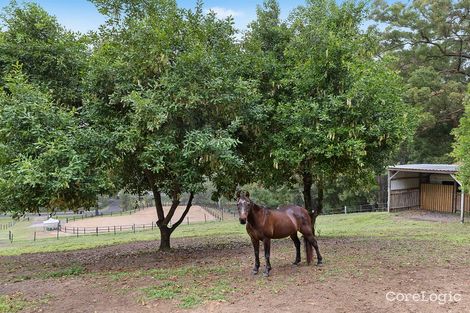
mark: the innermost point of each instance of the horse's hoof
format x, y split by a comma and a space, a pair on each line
254, 272
320, 263
296, 263
265, 274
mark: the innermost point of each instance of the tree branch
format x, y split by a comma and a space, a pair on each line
156, 195
174, 205
188, 206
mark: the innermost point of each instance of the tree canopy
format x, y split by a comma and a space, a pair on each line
163, 83
47, 160
332, 107
52, 57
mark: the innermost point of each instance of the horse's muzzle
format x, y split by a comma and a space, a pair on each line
242, 221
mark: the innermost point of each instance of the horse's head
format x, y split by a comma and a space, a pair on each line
244, 205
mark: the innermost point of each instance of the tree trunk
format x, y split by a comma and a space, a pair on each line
165, 233
320, 190
307, 184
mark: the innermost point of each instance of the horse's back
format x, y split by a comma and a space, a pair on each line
297, 210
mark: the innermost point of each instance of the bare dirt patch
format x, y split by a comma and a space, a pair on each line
213, 275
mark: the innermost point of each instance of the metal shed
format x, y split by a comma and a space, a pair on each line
432, 187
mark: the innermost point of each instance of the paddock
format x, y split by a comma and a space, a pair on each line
430, 187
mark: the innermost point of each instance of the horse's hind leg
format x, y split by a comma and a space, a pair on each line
296, 241
311, 239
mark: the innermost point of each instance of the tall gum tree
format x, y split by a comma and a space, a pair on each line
164, 84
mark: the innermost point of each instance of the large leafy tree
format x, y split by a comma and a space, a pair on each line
462, 145
334, 109
52, 57
164, 84
47, 160
430, 43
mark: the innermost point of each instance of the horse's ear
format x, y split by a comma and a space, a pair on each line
247, 194
238, 194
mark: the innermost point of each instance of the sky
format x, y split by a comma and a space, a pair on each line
81, 15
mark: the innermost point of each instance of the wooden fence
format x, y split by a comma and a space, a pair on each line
466, 202
439, 198
404, 199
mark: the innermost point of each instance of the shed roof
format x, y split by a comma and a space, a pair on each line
426, 168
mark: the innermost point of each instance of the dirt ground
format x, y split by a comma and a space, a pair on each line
356, 277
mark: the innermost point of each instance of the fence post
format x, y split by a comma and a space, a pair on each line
57, 232
345, 210
34, 236
133, 226
205, 218
9, 235
66, 220
115, 230
11, 239
97, 231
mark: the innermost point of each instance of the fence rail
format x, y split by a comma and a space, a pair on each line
105, 229
84, 216
7, 225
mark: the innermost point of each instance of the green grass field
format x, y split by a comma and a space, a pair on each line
352, 225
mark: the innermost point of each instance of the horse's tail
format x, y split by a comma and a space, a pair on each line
308, 250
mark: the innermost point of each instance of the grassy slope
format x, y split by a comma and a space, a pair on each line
352, 225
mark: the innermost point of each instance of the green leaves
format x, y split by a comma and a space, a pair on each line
52, 57
335, 109
164, 81
461, 146
45, 160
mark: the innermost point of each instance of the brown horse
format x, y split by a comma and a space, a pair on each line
263, 224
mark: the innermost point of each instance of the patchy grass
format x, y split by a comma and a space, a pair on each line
189, 286
166, 290
12, 304
69, 271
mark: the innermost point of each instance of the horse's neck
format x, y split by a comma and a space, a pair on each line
257, 215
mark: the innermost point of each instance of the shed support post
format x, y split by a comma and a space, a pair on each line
462, 199
462, 204
389, 188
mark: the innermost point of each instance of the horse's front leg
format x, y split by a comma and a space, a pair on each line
255, 243
267, 252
